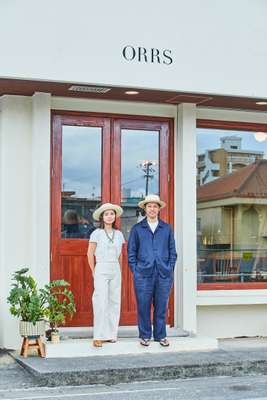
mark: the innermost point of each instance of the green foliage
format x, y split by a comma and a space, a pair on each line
60, 302
24, 298
55, 301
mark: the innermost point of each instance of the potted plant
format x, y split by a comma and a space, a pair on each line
59, 305
27, 304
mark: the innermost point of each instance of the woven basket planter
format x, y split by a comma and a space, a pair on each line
29, 329
55, 338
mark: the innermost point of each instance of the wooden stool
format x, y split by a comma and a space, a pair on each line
37, 344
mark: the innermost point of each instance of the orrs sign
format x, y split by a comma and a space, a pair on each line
153, 55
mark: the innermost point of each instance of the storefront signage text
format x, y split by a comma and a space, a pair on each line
144, 55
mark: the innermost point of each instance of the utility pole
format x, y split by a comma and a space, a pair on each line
147, 168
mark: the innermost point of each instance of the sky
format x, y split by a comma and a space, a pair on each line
81, 160
81, 157
208, 139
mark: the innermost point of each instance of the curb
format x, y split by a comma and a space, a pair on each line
124, 373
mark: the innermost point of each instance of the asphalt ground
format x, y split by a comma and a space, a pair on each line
219, 388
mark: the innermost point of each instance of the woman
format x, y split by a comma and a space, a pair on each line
106, 245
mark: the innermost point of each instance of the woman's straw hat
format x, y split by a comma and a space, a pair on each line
152, 198
107, 206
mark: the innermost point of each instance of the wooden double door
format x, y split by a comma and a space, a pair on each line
98, 159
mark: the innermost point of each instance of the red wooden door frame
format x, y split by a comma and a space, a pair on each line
111, 125
165, 172
63, 249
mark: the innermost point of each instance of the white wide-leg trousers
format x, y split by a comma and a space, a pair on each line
106, 300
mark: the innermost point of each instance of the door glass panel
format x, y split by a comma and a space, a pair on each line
81, 179
139, 173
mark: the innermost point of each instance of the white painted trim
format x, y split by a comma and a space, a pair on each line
116, 107
232, 115
41, 151
185, 228
231, 297
230, 202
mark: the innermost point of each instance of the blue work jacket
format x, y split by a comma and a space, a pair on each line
147, 249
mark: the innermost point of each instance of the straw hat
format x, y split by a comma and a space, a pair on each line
107, 206
152, 198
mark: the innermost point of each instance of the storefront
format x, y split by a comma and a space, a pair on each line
90, 115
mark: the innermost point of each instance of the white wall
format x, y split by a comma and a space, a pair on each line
25, 210
116, 107
40, 191
16, 202
232, 320
231, 313
218, 47
1, 230
24, 204
185, 206
25, 186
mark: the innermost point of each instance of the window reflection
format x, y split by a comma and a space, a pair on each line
81, 179
139, 173
231, 206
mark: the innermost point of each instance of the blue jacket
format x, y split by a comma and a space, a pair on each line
146, 249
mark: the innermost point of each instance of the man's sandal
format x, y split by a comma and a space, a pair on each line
110, 341
164, 342
97, 343
145, 342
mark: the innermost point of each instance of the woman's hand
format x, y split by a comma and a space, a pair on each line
91, 256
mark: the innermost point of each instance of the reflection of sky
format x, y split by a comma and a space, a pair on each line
137, 146
208, 139
81, 160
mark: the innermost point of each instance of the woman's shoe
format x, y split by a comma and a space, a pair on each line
145, 342
97, 343
164, 342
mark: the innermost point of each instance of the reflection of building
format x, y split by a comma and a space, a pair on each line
225, 160
130, 214
86, 206
83, 206
232, 212
126, 192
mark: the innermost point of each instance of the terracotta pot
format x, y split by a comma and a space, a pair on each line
27, 328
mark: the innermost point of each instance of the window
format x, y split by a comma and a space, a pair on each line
231, 206
81, 180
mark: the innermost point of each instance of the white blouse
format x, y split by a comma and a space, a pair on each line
106, 251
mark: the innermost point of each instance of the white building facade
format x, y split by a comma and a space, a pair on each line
193, 65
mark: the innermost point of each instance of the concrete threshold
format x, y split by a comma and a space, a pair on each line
123, 332
84, 347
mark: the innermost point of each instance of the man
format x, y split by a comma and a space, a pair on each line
152, 257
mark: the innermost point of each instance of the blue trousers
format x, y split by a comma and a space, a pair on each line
152, 290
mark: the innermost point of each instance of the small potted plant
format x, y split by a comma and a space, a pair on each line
59, 305
27, 304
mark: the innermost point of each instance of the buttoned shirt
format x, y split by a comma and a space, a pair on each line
147, 249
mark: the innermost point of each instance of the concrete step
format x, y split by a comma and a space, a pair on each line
72, 348
123, 332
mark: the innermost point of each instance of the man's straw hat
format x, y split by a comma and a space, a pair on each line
152, 198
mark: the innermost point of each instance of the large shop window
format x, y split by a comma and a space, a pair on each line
231, 205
